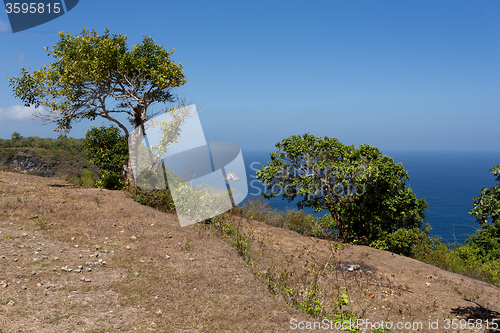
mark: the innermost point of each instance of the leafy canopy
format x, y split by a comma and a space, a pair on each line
95, 75
364, 190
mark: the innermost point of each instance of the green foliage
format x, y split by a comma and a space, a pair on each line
157, 199
72, 146
364, 190
92, 70
108, 150
486, 207
402, 241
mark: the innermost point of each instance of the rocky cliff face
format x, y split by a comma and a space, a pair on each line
42, 162
27, 161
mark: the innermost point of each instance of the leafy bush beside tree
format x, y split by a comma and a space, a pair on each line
108, 150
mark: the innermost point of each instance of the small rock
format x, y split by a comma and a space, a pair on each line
38, 284
76, 246
33, 273
98, 247
116, 326
11, 303
96, 254
24, 287
157, 297
80, 256
105, 251
45, 257
39, 250
127, 247
133, 237
159, 313
88, 269
73, 238
2, 256
167, 256
16, 259
25, 234
4, 284
191, 259
54, 268
80, 267
136, 274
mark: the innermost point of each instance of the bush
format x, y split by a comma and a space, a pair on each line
403, 241
108, 150
158, 199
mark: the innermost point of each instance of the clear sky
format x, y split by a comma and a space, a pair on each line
399, 75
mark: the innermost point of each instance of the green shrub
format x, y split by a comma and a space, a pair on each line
403, 241
107, 149
158, 199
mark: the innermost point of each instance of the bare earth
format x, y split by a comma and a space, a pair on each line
141, 272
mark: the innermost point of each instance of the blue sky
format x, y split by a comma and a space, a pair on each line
398, 75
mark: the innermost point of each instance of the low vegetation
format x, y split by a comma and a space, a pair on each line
478, 257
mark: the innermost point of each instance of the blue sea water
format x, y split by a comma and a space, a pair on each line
447, 180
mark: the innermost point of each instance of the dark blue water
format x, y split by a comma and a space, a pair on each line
447, 180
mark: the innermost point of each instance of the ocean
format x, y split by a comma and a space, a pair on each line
447, 180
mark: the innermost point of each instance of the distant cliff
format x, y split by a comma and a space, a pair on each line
43, 162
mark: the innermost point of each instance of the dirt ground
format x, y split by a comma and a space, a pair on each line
76, 259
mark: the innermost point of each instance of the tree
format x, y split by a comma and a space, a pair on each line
98, 76
486, 210
486, 207
363, 189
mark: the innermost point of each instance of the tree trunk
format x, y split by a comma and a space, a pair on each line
134, 140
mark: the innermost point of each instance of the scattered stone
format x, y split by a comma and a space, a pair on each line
136, 273
24, 287
66, 268
25, 234
167, 256
127, 247
98, 247
105, 251
38, 284
88, 269
159, 313
76, 246
352, 268
133, 237
39, 250
4, 284
73, 238
157, 297
86, 279
54, 269
16, 259
191, 259
80, 267
2, 256
11, 303
56, 258
45, 257
33, 273
80, 256
116, 326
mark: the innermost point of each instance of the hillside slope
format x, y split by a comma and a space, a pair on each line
140, 271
